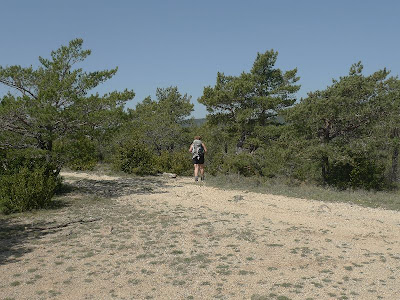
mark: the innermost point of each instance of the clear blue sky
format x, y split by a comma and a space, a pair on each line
185, 43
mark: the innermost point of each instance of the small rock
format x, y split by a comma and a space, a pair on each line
324, 209
170, 175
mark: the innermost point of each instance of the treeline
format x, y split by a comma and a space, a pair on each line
345, 136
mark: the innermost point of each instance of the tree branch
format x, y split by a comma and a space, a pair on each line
18, 87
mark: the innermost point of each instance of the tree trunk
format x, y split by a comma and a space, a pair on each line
395, 157
239, 145
395, 162
325, 169
325, 139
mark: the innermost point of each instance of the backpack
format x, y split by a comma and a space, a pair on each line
197, 149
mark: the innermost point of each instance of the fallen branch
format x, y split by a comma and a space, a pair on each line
81, 221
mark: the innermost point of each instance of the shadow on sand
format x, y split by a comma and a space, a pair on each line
117, 188
16, 234
14, 239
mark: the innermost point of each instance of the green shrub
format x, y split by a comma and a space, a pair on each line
27, 189
79, 154
27, 181
178, 162
368, 175
242, 164
361, 173
215, 163
135, 158
339, 175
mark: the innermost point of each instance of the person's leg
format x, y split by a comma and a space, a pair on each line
196, 171
202, 171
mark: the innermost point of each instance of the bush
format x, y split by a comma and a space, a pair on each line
361, 173
368, 175
135, 158
242, 164
80, 154
27, 190
178, 162
215, 164
27, 181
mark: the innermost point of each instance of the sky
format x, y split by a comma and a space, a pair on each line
184, 43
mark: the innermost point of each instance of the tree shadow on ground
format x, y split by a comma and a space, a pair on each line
15, 235
115, 188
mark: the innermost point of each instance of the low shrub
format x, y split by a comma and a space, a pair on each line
79, 154
135, 158
27, 181
361, 173
242, 164
27, 189
178, 162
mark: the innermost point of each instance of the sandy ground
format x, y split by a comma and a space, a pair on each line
164, 238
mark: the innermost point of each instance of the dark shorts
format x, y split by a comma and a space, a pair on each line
198, 160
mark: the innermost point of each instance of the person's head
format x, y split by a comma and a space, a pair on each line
197, 137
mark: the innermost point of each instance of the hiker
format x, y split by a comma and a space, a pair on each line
197, 148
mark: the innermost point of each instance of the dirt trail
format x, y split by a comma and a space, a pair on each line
159, 238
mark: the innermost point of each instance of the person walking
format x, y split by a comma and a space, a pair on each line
198, 149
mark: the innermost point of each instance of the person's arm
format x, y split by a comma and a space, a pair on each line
191, 148
205, 148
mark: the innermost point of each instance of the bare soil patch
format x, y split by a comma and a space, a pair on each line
172, 238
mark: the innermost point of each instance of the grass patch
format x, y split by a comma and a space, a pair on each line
270, 296
178, 282
134, 281
32, 270
223, 270
383, 199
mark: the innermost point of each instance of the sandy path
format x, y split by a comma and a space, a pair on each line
159, 238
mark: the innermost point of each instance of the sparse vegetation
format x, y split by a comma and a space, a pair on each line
343, 137
135, 235
145, 236
383, 199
